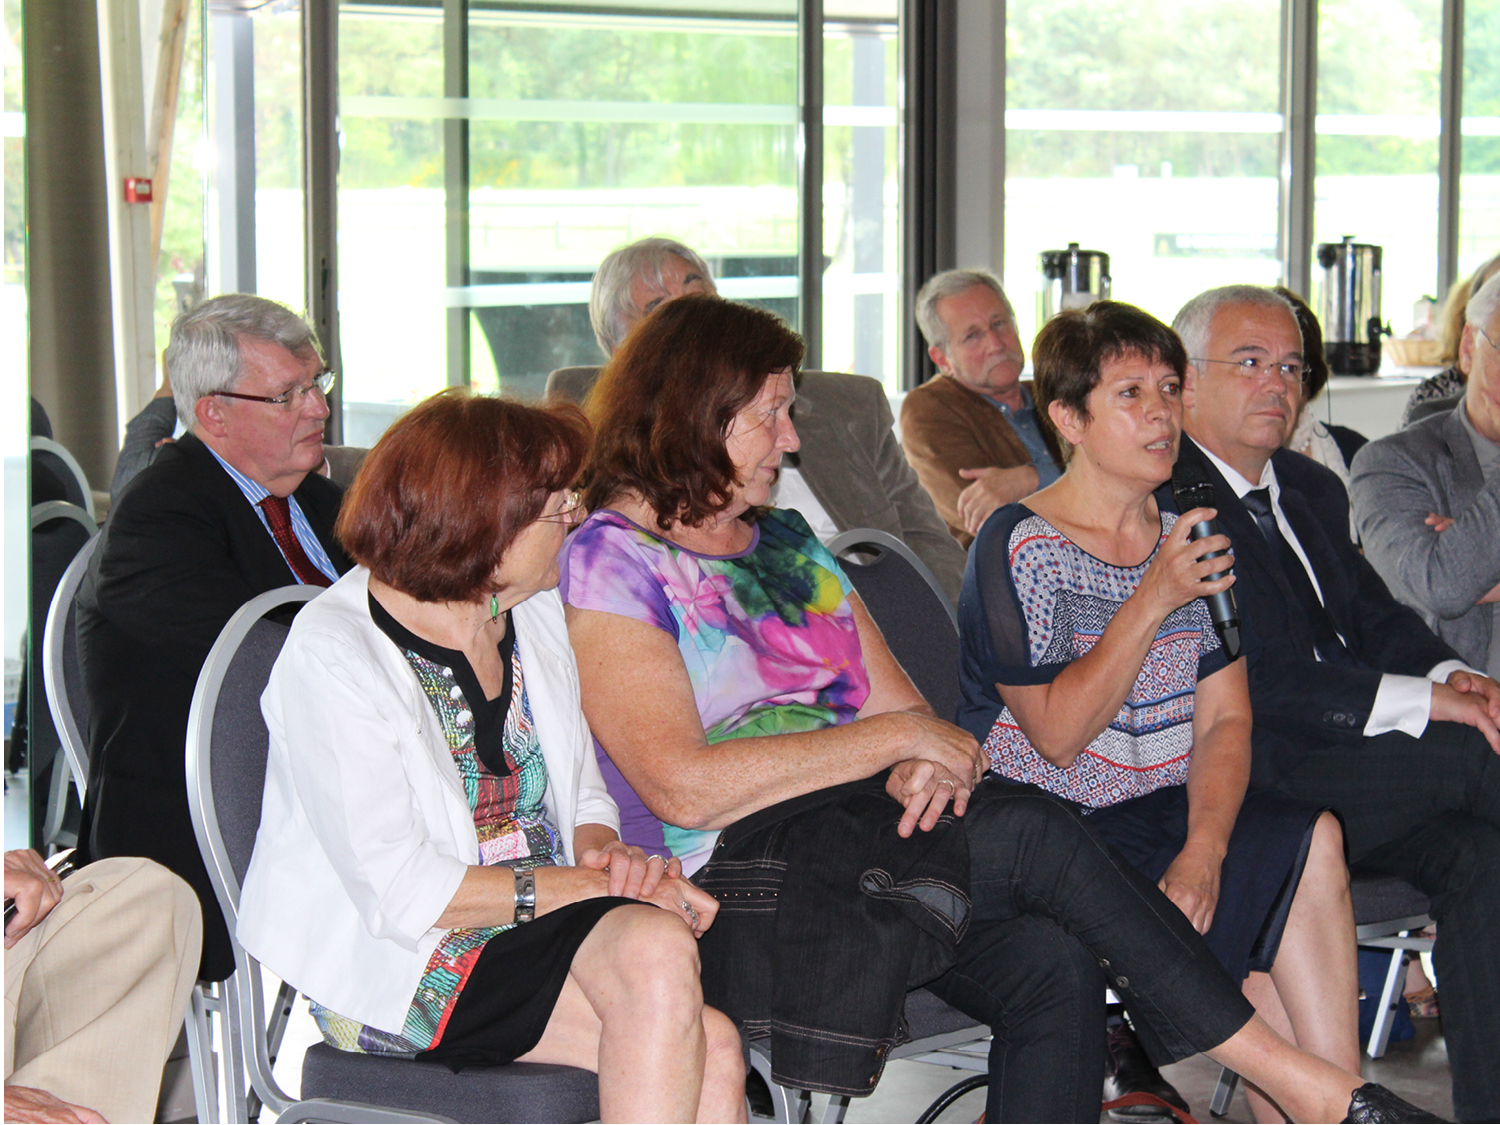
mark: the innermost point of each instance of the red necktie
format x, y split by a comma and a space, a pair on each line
279, 516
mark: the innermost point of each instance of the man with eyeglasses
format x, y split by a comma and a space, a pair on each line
972, 433
231, 510
1358, 704
1427, 500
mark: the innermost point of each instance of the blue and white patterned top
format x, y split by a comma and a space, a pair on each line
255, 492
1033, 602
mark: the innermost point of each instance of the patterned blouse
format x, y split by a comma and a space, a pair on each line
767, 636
500, 761
1033, 602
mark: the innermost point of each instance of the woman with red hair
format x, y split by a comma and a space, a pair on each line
432, 807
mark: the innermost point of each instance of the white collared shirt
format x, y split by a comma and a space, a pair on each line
791, 491
1402, 703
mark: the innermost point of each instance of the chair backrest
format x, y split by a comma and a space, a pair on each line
909, 605
226, 772
58, 476
227, 740
62, 674
1386, 904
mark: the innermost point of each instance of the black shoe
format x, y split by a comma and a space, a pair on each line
1373, 1102
1134, 1074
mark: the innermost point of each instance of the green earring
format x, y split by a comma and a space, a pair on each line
494, 608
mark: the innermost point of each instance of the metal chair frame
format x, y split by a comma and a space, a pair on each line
47, 445
854, 538
62, 620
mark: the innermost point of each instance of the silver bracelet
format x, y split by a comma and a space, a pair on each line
525, 894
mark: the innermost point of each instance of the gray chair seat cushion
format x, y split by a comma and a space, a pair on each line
518, 1092
1379, 898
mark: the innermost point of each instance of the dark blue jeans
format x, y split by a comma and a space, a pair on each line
1057, 913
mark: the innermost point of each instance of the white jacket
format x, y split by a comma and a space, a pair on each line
365, 832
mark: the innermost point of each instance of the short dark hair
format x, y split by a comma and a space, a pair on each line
665, 401
1072, 348
445, 492
1314, 361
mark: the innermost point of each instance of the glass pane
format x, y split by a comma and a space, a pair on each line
585, 131
390, 215
279, 267
181, 278
1377, 129
861, 191
255, 229
13, 420
1479, 185
1146, 130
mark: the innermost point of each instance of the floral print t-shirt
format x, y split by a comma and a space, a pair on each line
767, 636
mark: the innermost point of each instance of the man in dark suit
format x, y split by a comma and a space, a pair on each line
1358, 705
850, 472
228, 512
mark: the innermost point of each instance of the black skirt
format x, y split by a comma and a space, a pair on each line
1259, 876
508, 999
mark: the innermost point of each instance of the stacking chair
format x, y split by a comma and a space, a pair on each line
1388, 914
226, 762
60, 530
909, 605
921, 629
56, 475
62, 674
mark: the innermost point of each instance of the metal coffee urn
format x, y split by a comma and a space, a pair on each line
1072, 279
1350, 306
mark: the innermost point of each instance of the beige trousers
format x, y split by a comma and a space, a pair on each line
95, 995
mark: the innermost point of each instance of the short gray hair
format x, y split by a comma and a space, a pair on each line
950, 283
1483, 304
1195, 318
610, 307
203, 355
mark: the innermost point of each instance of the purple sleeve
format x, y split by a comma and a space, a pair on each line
613, 568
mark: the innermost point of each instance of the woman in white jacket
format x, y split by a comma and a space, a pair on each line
438, 864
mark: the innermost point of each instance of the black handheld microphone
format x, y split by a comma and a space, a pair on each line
1193, 489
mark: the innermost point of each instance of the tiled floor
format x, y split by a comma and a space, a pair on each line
1416, 1069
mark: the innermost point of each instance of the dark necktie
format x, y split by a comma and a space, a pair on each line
279, 516
1325, 637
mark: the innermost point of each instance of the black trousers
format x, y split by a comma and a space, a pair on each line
1057, 913
1428, 810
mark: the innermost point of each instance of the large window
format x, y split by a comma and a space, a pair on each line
1379, 63
481, 183
1479, 183
1146, 129
1153, 131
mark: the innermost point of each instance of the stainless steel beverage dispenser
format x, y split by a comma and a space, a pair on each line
1072, 279
1350, 306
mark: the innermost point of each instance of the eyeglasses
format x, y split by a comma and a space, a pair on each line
1292, 374
293, 397
1487, 339
569, 512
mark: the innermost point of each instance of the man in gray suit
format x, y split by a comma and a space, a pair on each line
850, 472
1427, 500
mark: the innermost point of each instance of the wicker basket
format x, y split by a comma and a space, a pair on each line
1413, 352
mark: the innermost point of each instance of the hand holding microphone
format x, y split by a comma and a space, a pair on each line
1193, 489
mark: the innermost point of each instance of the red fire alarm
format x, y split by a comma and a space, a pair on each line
137, 190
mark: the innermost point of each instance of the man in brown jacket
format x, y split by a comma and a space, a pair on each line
972, 433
